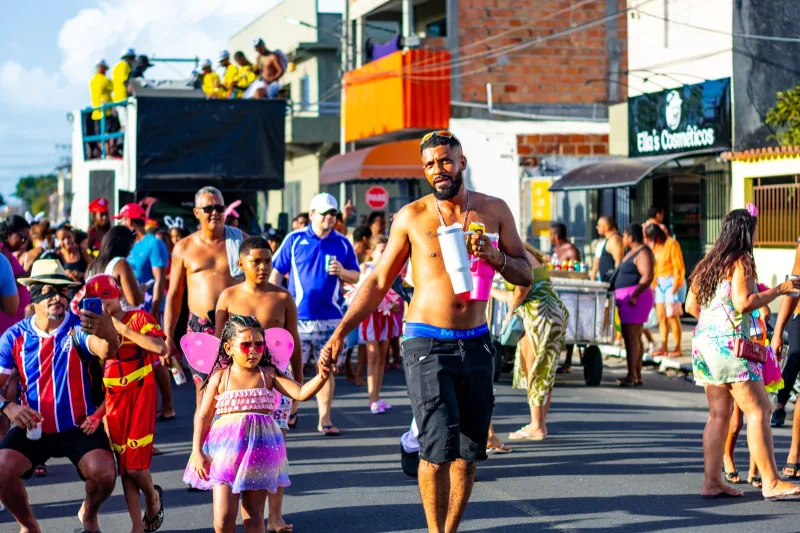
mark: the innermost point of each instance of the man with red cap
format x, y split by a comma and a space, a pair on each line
98, 208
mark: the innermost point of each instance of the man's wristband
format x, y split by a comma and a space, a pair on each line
3, 405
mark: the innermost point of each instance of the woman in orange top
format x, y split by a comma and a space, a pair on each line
668, 279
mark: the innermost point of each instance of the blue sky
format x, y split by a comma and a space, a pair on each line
49, 48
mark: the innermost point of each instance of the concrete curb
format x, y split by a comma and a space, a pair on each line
665, 364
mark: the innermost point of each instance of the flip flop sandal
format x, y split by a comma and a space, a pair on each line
675, 354
156, 451
525, 436
792, 466
755, 481
625, 383
289, 422
492, 450
328, 431
730, 475
658, 353
564, 370
154, 524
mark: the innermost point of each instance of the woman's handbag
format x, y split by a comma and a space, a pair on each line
512, 332
747, 349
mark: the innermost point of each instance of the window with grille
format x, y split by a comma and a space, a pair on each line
778, 203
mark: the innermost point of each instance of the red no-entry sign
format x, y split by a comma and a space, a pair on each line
377, 197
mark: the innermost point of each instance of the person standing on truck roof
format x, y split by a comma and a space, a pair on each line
201, 265
210, 80
119, 76
100, 89
271, 65
246, 75
231, 73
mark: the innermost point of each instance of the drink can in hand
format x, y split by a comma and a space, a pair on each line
328, 260
35, 433
177, 371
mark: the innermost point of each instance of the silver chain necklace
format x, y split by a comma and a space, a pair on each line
466, 213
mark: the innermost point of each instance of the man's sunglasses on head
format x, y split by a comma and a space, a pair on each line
441, 133
208, 209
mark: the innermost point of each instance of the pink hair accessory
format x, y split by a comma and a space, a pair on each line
231, 209
752, 209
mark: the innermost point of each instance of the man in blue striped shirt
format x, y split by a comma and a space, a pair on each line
317, 260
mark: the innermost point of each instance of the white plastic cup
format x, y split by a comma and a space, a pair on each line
792, 294
35, 433
456, 260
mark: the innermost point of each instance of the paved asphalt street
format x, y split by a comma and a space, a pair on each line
619, 460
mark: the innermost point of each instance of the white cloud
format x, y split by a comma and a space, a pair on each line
178, 28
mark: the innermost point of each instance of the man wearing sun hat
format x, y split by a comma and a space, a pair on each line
210, 80
51, 351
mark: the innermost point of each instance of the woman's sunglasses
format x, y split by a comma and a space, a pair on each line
211, 208
250, 347
441, 133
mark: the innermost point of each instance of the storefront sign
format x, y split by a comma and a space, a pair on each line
685, 119
377, 197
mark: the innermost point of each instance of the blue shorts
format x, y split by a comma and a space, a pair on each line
665, 293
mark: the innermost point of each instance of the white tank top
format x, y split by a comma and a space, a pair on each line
123, 302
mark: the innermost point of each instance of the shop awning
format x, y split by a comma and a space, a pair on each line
619, 172
387, 161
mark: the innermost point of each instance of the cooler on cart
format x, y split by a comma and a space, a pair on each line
591, 322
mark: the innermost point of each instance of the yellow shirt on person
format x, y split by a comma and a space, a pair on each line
210, 85
245, 78
229, 79
100, 89
120, 78
669, 262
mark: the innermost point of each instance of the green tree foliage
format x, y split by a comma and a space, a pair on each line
34, 191
784, 117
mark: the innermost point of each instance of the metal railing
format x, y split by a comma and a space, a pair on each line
778, 214
103, 136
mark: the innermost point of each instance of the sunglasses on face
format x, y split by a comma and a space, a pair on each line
331, 213
212, 208
441, 133
250, 347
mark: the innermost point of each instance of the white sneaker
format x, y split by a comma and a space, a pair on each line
376, 408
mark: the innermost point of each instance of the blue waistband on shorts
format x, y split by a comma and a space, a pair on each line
417, 329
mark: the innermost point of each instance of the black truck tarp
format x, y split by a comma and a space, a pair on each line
183, 144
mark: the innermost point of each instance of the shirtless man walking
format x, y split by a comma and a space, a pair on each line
273, 307
200, 266
447, 350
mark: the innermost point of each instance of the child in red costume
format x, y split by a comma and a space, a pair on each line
131, 399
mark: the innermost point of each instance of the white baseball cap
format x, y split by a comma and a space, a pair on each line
205, 63
127, 52
102, 63
323, 202
223, 55
257, 41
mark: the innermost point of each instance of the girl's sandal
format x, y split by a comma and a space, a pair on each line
155, 523
755, 481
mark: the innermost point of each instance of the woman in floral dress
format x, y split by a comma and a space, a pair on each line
545, 320
723, 295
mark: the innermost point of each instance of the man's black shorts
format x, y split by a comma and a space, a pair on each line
72, 443
452, 396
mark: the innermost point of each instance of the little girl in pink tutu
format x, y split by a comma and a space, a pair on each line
244, 450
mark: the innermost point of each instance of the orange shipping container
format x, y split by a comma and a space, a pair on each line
404, 90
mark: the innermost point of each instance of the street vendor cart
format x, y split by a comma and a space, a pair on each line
591, 323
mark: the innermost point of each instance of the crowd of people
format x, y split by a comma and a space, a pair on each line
92, 323
237, 78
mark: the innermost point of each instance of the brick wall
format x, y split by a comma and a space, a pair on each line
567, 70
562, 144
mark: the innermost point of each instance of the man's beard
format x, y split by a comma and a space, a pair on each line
451, 190
54, 317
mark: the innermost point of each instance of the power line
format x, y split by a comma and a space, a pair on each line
506, 50
723, 32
